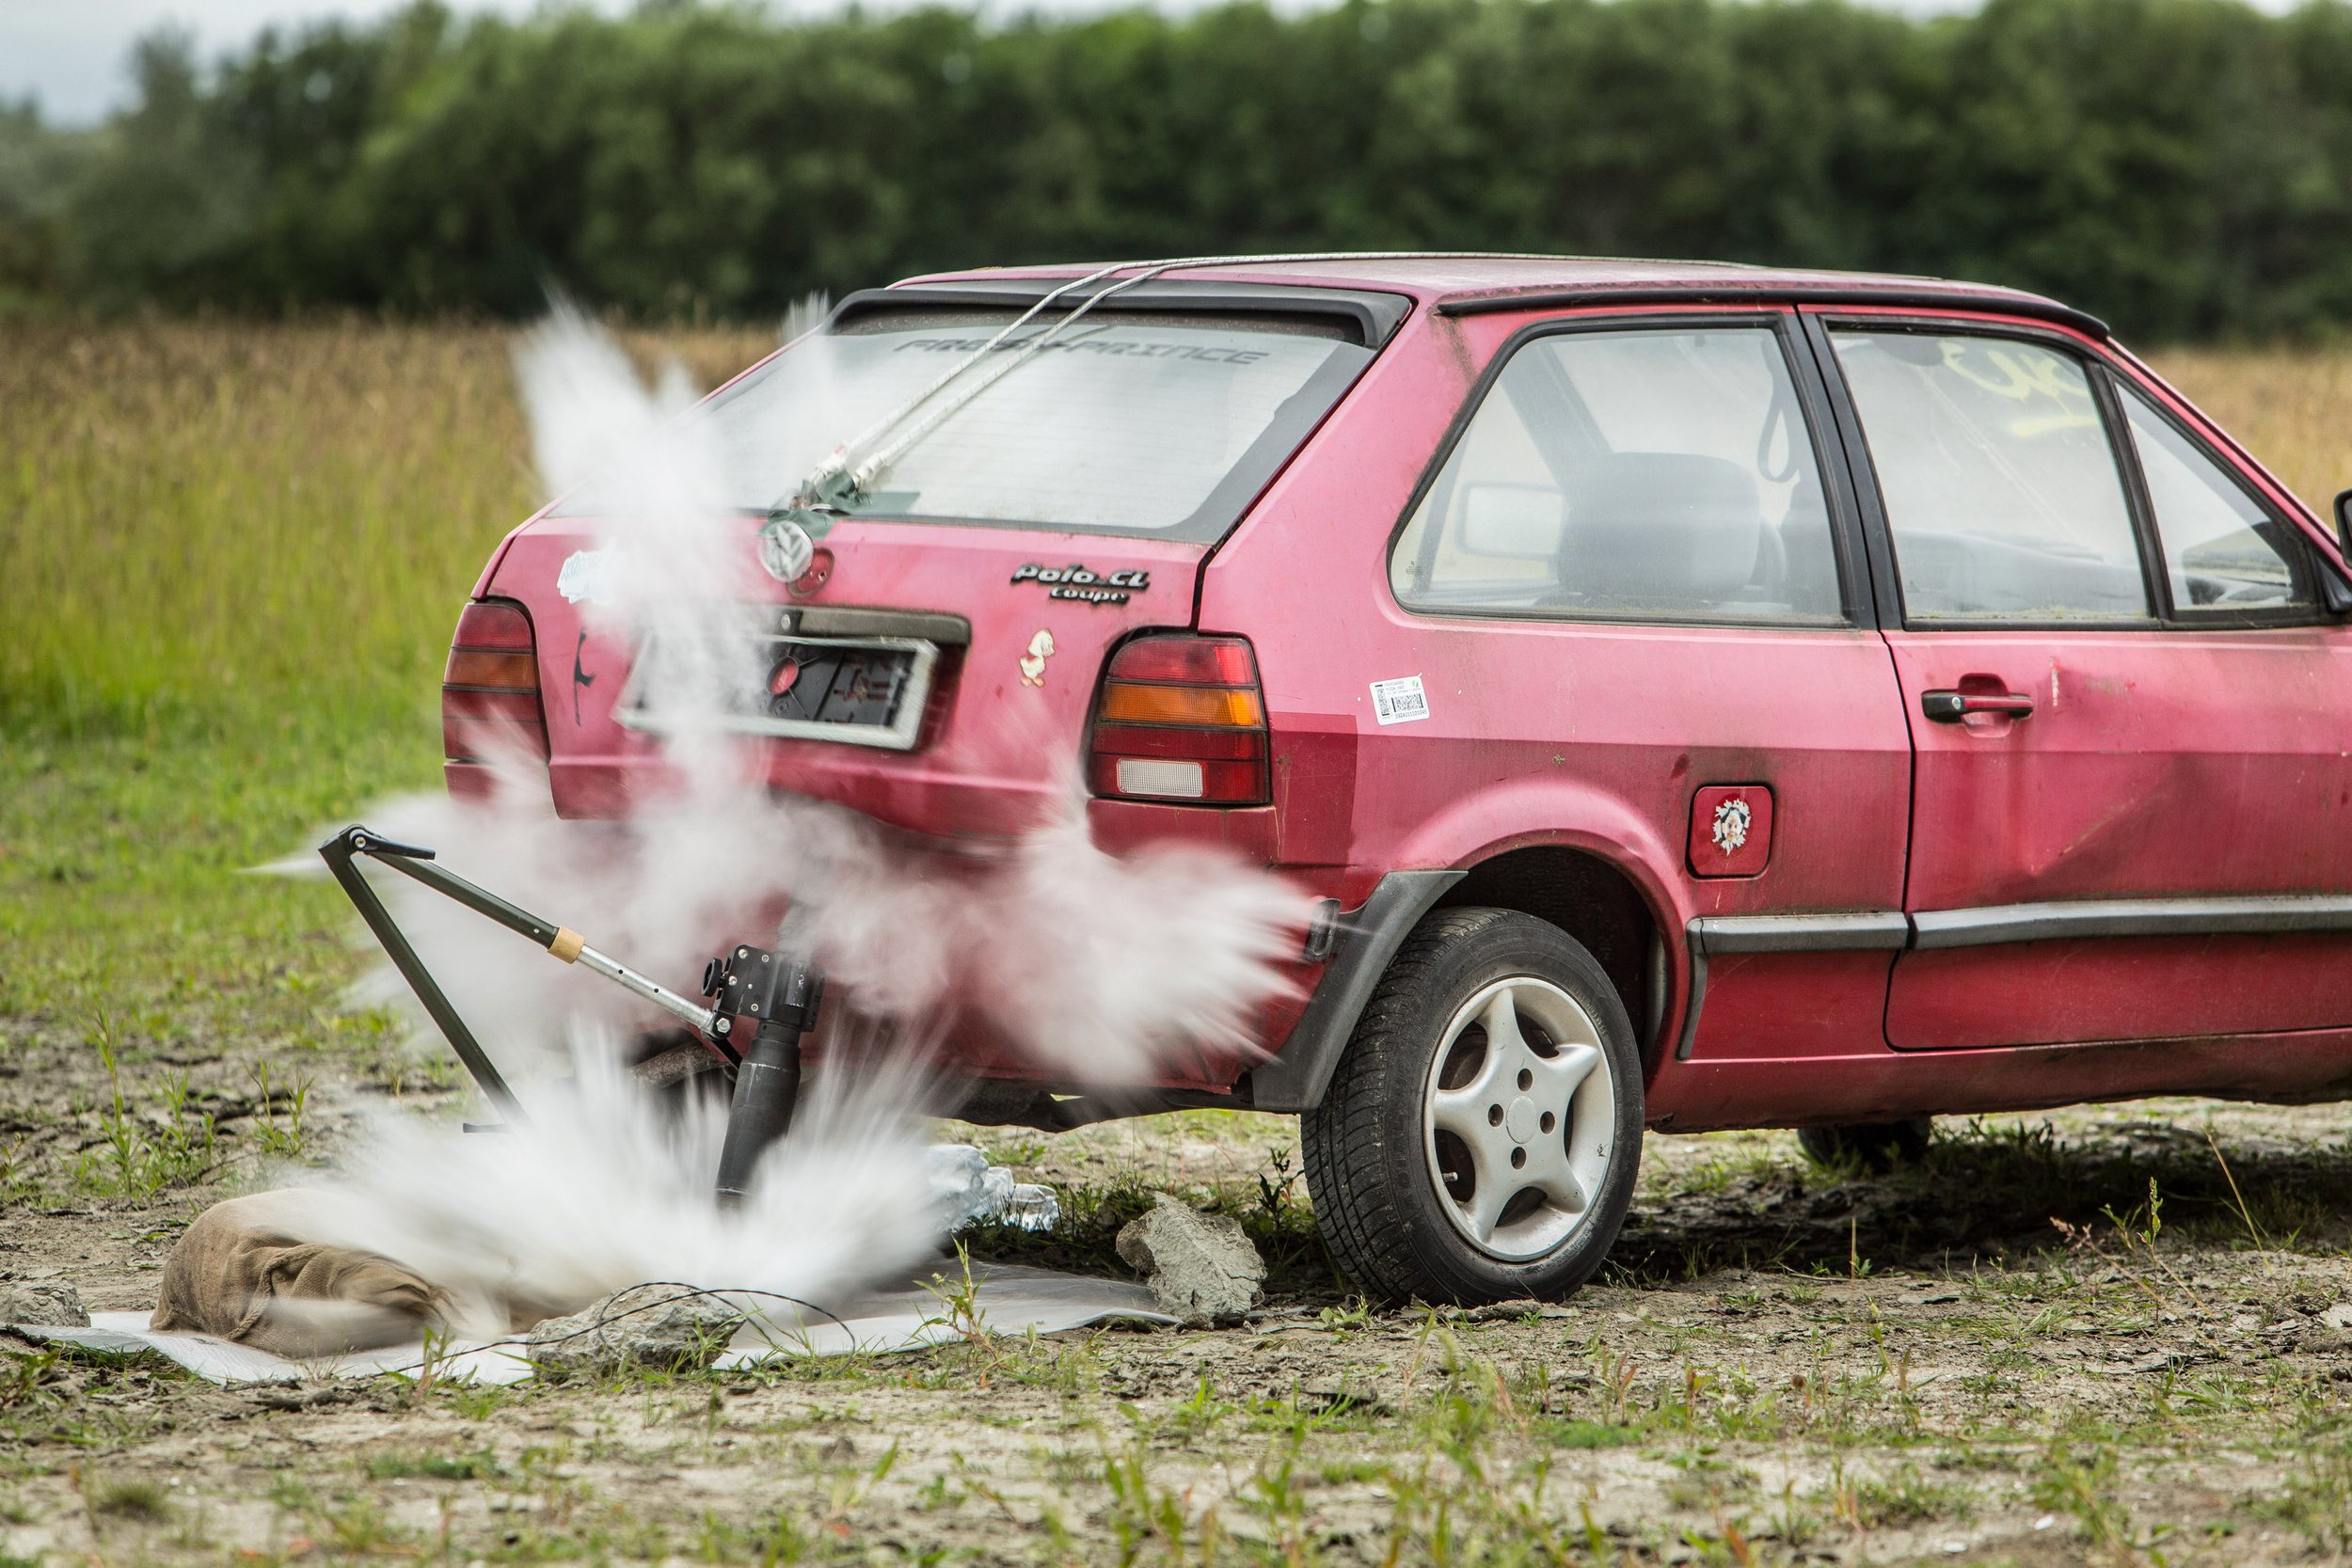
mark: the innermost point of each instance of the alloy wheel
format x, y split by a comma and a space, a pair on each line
1519, 1118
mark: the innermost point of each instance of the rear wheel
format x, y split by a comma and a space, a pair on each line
1480, 1139
1872, 1145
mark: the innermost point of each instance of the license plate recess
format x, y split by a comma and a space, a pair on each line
850, 691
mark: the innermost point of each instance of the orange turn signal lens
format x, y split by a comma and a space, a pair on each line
1223, 708
502, 672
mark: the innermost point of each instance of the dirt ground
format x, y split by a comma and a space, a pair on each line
1783, 1365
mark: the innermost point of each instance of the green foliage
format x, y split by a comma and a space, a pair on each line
2184, 166
139, 1157
479, 1466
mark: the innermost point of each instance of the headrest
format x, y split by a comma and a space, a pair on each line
1664, 528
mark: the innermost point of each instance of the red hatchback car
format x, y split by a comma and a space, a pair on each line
1706, 696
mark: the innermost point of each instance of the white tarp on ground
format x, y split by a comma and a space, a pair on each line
1010, 1300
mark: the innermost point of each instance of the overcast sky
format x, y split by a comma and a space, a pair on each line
69, 54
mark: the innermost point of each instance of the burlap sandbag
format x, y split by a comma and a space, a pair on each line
245, 1272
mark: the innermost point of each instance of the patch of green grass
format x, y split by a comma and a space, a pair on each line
139, 1499
1588, 1435
1902, 1495
479, 1466
2313, 1500
140, 1156
124, 891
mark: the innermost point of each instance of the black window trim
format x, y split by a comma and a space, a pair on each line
1847, 535
2302, 561
1893, 613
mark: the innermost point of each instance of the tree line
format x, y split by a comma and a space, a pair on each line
2181, 167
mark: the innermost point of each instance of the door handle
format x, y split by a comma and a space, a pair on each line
1950, 707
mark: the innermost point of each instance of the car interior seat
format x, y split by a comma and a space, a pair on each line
1661, 531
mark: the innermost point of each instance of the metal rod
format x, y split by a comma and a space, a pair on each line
337, 852
402, 858
661, 996
561, 941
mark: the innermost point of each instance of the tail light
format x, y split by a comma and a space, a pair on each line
1181, 719
490, 691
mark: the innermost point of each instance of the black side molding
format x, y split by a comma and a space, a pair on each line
1869, 930
1364, 941
1866, 930
1995, 926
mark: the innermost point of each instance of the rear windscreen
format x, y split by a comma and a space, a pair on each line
1159, 424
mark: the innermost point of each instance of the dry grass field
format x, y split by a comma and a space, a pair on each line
230, 556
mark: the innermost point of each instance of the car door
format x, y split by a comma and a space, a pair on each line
2128, 710
1623, 585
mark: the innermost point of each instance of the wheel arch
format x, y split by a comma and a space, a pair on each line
1559, 850
1594, 901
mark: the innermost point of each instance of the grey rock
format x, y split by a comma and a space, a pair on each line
646, 1326
1201, 1267
50, 1306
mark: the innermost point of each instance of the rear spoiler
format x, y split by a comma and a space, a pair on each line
1373, 316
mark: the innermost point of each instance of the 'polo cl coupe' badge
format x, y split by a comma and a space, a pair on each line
1731, 825
1075, 581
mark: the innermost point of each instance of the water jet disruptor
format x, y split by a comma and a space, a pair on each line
770, 996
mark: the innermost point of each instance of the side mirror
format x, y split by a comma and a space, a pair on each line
2333, 587
1517, 522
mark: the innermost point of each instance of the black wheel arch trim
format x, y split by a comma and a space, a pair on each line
1365, 939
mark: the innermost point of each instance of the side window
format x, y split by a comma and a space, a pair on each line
2223, 552
1630, 473
2001, 489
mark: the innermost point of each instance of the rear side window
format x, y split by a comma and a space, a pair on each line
1163, 425
1637, 473
2223, 550
2001, 490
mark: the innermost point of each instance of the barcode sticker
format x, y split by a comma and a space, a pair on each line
1400, 701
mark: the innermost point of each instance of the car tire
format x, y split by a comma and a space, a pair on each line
1423, 1156
1872, 1145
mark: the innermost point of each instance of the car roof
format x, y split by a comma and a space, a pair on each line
1464, 283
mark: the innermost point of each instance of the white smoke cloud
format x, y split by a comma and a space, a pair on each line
1092, 966
603, 1189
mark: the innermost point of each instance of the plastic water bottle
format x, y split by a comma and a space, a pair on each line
1032, 1207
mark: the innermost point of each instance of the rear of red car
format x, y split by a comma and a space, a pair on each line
1004, 612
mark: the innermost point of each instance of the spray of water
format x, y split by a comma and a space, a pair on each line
605, 1189
1092, 966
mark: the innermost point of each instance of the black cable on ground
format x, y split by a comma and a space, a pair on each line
689, 1292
